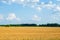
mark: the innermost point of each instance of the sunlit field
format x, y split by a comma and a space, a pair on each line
29, 33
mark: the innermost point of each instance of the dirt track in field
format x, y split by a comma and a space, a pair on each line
29, 33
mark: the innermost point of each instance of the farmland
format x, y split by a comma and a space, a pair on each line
29, 33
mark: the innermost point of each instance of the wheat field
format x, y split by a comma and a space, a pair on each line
29, 33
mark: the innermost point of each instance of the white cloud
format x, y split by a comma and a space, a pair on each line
57, 8
22, 0
13, 0
42, 3
12, 16
9, 2
50, 2
39, 8
35, 1
34, 4
36, 18
50, 6
29, 3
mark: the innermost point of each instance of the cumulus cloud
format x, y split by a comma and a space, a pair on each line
12, 16
36, 18
21, 1
50, 5
39, 8
57, 8
35, 1
13, 0
42, 3
34, 4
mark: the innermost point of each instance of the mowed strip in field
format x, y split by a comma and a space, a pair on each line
29, 33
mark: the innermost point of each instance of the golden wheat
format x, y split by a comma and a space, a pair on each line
29, 33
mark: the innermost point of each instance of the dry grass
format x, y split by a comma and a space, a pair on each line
29, 33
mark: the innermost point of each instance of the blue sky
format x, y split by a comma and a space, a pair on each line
29, 11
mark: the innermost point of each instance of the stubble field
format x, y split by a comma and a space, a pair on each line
29, 33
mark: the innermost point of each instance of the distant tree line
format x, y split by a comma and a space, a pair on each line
51, 25
34, 25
